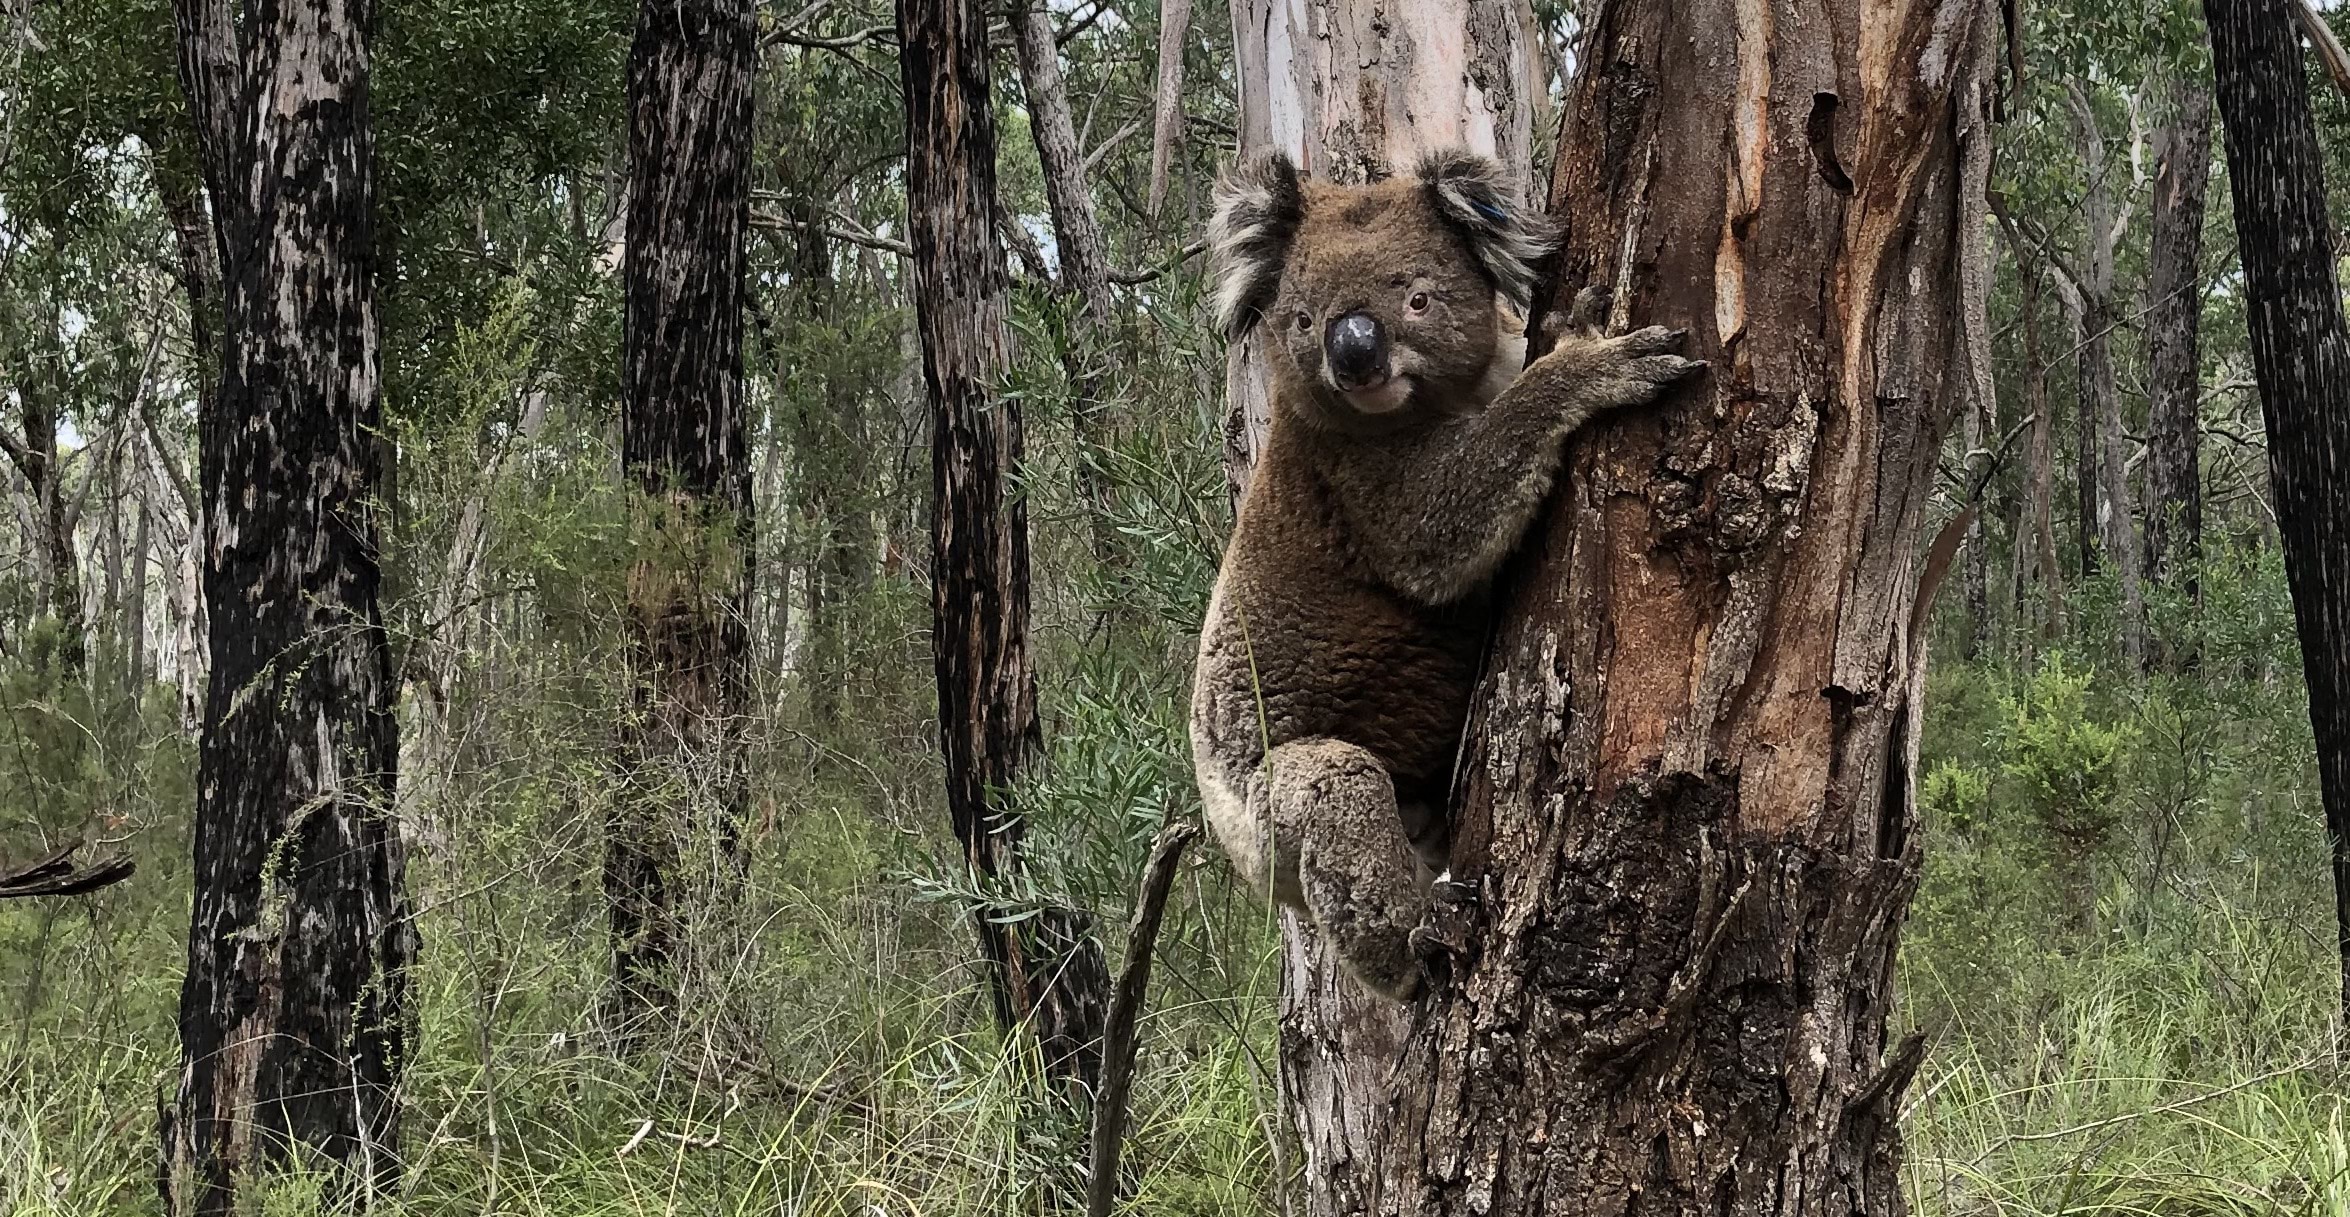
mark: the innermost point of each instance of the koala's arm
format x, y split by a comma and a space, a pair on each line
1436, 511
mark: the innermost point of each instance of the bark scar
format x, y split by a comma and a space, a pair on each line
1616, 1046
1820, 129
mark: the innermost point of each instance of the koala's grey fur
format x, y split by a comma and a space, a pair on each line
1342, 638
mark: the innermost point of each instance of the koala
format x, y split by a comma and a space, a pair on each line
1408, 455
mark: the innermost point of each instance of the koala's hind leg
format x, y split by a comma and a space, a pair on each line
1356, 870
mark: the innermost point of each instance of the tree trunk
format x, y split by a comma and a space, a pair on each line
2107, 531
1084, 269
2301, 356
1685, 811
33, 451
1980, 427
2039, 557
1353, 94
134, 625
1045, 971
292, 1016
685, 451
2174, 315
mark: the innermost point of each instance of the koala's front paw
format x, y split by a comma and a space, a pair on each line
1649, 357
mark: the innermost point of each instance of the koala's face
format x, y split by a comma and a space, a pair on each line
1375, 298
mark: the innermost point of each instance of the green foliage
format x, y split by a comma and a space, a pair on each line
2065, 765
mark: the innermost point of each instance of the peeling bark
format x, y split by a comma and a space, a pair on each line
1684, 808
292, 1019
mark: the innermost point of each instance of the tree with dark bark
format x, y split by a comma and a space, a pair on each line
1685, 836
1044, 971
2301, 357
2174, 363
292, 1013
685, 450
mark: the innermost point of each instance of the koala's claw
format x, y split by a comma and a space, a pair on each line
1653, 340
1435, 953
1589, 311
1666, 369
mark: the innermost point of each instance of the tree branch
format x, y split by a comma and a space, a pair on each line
2321, 39
1167, 123
837, 232
1109, 1109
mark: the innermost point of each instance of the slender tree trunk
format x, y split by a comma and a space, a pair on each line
134, 626
181, 170
1084, 269
2174, 315
2040, 464
33, 450
1685, 810
1351, 93
2301, 355
1045, 971
2108, 533
292, 1016
685, 451
1167, 104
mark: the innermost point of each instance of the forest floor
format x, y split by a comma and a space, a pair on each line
2119, 954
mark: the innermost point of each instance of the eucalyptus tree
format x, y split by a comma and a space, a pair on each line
293, 1012
1685, 817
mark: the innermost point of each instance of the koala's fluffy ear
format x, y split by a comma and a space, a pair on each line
1475, 195
1258, 206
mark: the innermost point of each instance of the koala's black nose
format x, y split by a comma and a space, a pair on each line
1356, 346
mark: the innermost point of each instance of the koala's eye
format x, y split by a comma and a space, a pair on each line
1418, 303
1305, 321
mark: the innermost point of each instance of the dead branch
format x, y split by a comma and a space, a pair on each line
57, 875
1109, 1109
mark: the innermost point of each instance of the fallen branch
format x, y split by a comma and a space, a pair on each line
1109, 1108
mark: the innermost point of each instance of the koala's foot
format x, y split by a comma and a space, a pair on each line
1356, 869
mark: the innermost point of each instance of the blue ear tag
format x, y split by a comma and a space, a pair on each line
1489, 211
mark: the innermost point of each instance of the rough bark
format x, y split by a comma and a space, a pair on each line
1685, 811
2301, 356
2174, 315
1046, 971
291, 1015
1353, 92
685, 451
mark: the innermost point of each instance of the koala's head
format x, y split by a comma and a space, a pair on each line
1381, 297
